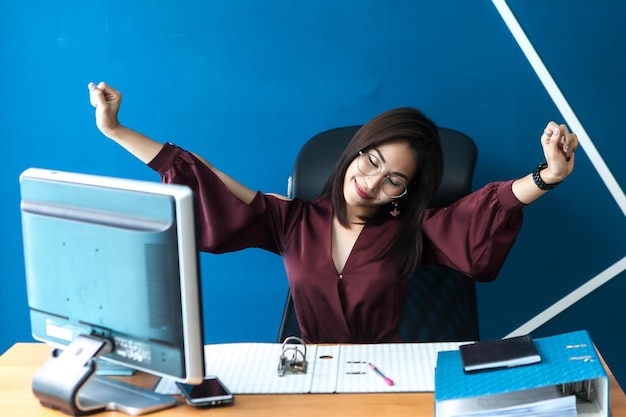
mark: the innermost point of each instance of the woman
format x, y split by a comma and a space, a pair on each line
349, 253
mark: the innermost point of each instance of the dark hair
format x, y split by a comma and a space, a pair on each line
423, 137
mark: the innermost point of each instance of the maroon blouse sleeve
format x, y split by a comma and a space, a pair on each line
224, 222
475, 234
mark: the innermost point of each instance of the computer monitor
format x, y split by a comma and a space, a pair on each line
111, 271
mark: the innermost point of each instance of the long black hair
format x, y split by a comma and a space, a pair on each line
421, 133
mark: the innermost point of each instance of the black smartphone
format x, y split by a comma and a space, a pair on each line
209, 393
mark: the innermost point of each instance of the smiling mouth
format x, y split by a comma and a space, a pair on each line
361, 192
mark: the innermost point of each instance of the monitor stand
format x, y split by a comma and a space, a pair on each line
68, 382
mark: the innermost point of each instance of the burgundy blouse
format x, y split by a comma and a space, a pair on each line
364, 303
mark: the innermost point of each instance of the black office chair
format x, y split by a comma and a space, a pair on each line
441, 302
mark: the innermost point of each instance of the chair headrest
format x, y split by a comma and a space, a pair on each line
318, 156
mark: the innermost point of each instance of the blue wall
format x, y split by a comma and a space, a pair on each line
242, 81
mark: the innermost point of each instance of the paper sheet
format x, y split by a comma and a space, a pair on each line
251, 368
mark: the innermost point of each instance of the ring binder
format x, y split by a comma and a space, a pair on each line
295, 363
570, 366
582, 390
251, 368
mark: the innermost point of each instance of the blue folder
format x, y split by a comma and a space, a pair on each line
568, 361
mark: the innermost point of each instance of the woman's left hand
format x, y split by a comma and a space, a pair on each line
559, 146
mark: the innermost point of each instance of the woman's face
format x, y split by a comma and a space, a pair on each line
389, 168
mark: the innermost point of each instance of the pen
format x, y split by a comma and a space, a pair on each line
388, 381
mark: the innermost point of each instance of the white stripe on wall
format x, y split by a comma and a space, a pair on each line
571, 298
561, 103
591, 151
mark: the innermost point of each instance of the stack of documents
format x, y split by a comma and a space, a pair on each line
525, 404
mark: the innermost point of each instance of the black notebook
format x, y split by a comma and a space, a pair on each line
498, 354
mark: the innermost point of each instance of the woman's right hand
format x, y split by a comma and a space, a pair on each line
107, 102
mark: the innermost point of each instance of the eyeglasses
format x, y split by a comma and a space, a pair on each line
369, 164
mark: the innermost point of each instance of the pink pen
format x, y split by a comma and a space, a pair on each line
388, 381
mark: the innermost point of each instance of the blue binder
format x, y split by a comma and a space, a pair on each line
568, 361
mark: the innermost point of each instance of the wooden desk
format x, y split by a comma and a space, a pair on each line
19, 364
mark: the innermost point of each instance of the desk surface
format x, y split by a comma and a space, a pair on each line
19, 364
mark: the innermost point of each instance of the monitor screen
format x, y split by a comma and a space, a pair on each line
114, 259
